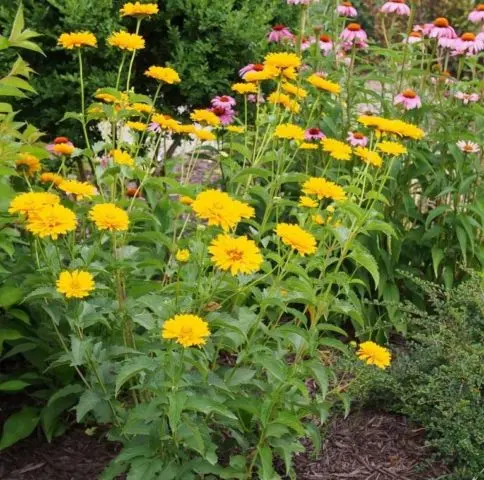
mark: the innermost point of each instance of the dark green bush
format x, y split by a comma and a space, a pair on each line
207, 41
438, 381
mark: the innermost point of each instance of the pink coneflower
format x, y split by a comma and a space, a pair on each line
256, 99
279, 33
441, 29
314, 134
468, 147
154, 127
467, 44
306, 42
346, 9
359, 45
467, 97
408, 99
357, 139
414, 37
477, 15
396, 6
223, 101
252, 67
226, 115
58, 141
325, 44
354, 32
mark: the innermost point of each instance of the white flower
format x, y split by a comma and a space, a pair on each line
468, 147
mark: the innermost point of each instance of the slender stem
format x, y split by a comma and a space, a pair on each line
121, 65
138, 23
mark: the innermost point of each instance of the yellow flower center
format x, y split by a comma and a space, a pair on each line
235, 255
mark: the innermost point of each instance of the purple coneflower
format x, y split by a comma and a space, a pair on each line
408, 99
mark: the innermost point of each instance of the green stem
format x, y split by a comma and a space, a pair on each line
138, 23
118, 79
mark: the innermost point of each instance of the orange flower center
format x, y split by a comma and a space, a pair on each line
258, 67
468, 148
409, 93
61, 140
358, 135
347, 4
224, 98
278, 28
468, 37
441, 22
416, 34
325, 38
354, 27
398, 1
235, 255
480, 7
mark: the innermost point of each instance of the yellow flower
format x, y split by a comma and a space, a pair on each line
204, 135
237, 254
297, 238
392, 148
395, 127
63, 148
76, 284
323, 84
77, 40
244, 88
307, 202
294, 90
139, 9
267, 73
50, 177
108, 216
184, 200
285, 100
289, 73
336, 149
188, 129
368, 156
289, 132
52, 221
322, 188
318, 219
234, 129
79, 189
108, 98
218, 208
282, 60
29, 163
163, 74
138, 126
32, 202
188, 330
205, 116
374, 354
122, 158
182, 255
126, 41
308, 146
166, 122
143, 107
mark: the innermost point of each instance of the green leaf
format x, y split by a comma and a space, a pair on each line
320, 374
437, 256
207, 406
13, 385
18, 426
266, 470
66, 391
176, 402
291, 421
366, 260
132, 368
10, 296
436, 212
18, 24
8, 334
239, 376
88, 401
462, 238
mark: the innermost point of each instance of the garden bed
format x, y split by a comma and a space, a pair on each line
369, 445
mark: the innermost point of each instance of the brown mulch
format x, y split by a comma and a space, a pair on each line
366, 446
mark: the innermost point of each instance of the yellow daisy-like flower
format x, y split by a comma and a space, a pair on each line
32, 202
279, 98
239, 254
244, 88
142, 107
205, 116
336, 149
182, 255
318, 219
297, 238
235, 129
323, 84
204, 135
108, 216
139, 9
50, 177
289, 131
76, 284
163, 74
289, 73
307, 202
52, 221
109, 98
29, 163
392, 148
322, 188
126, 41
374, 354
63, 148
187, 330
395, 127
166, 122
138, 126
187, 129
122, 158
184, 200
308, 146
267, 73
372, 158
294, 90
79, 189
218, 208
77, 40
282, 60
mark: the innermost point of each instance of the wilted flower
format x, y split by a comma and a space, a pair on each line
408, 99
346, 9
468, 147
477, 15
357, 139
353, 32
279, 33
396, 6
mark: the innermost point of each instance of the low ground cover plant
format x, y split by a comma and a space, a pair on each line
199, 320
